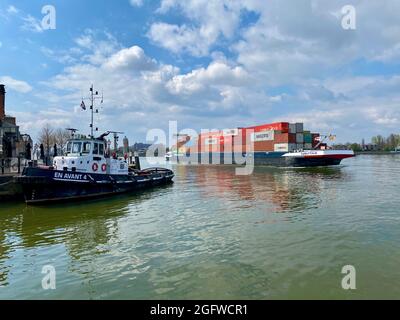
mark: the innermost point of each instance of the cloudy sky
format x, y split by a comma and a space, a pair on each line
204, 63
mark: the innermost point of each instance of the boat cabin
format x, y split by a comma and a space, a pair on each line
90, 156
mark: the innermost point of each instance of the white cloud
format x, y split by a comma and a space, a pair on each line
12, 10
210, 21
136, 3
132, 58
179, 38
217, 74
135, 85
98, 45
62, 56
32, 24
16, 85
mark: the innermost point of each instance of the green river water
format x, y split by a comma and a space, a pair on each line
277, 234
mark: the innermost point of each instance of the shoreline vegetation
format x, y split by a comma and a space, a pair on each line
378, 145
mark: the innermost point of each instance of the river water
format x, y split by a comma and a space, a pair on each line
277, 234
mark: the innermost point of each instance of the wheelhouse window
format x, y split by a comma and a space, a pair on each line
69, 147
96, 148
86, 147
76, 147
101, 149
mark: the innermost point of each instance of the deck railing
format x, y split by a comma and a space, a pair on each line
12, 165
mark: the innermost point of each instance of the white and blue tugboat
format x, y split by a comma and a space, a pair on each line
87, 170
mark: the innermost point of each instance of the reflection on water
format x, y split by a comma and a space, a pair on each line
278, 233
286, 190
80, 227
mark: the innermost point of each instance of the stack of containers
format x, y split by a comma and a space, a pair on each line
269, 137
217, 141
307, 140
274, 137
298, 130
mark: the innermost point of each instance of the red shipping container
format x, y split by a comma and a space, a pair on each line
247, 135
281, 126
243, 148
264, 146
285, 138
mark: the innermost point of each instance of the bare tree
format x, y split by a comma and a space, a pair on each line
61, 138
47, 138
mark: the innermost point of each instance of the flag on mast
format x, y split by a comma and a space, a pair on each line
332, 137
83, 106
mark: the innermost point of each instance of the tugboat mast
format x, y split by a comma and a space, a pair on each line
94, 95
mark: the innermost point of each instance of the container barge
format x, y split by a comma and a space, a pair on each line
281, 144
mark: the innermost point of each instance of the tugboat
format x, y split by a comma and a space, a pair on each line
87, 170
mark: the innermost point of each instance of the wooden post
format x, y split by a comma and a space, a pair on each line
137, 162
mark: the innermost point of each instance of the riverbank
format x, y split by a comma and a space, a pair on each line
377, 153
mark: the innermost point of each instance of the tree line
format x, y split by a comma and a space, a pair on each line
379, 142
386, 143
49, 137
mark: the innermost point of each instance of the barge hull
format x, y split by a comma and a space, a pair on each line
276, 159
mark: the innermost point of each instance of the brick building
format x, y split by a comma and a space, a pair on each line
12, 143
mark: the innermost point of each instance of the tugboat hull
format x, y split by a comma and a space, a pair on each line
45, 185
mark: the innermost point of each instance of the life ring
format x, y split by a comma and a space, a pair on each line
95, 167
103, 167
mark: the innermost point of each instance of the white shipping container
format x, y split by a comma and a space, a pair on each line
292, 128
263, 136
308, 146
300, 146
284, 147
230, 132
299, 138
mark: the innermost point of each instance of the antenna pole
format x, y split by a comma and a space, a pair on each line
92, 98
91, 110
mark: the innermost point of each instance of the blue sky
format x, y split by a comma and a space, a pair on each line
204, 63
